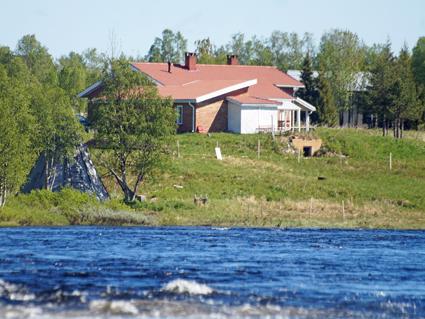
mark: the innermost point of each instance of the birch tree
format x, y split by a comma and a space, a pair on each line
132, 126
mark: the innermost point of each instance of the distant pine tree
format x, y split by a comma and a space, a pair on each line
327, 109
310, 92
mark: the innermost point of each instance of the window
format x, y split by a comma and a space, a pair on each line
179, 110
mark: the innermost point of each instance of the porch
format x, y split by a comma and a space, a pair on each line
291, 116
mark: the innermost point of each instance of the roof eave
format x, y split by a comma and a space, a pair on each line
90, 89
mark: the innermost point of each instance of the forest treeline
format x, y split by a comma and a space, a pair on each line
38, 93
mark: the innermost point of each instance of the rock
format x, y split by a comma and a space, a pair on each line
178, 186
141, 198
154, 199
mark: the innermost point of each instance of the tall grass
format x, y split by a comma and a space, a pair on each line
67, 207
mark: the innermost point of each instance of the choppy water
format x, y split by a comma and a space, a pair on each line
211, 273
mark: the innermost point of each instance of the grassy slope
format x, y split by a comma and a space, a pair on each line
275, 190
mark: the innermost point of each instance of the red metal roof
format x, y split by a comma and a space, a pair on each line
208, 77
197, 89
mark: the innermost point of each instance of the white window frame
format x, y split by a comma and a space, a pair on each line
179, 109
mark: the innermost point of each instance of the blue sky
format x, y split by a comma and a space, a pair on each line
74, 25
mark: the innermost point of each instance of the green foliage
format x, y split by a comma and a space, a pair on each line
310, 92
381, 91
73, 78
16, 127
406, 106
327, 109
38, 60
288, 49
340, 58
132, 124
276, 189
170, 47
67, 207
418, 62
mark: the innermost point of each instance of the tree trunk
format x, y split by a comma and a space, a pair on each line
401, 128
136, 186
2, 199
46, 172
3, 193
384, 127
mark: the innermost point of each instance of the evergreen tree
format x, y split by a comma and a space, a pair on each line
418, 66
382, 91
418, 62
327, 109
406, 105
310, 92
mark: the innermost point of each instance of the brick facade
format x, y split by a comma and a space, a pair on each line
212, 117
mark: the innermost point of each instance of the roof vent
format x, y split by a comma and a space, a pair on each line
190, 61
232, 59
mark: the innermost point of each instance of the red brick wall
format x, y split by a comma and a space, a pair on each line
187, 118
212, 117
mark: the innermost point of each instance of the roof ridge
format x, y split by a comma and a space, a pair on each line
220, 65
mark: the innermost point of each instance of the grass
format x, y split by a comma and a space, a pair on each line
358, 189
68, 207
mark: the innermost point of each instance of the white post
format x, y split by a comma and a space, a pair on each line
299, 120
292, 121
391, 161
258, 149
307, 121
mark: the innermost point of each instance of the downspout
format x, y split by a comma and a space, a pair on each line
193, 116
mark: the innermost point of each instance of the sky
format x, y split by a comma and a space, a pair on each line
75, 25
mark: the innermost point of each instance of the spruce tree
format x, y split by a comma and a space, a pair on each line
382, 91
328, 112
406, 105
310, 92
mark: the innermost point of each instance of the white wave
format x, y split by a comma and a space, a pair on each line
182, 286
117, 307
220, 228
14, 292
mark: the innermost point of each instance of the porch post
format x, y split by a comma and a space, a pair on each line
299, 120
292, 121
307, 121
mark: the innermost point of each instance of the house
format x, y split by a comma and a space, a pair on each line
236, 98
357, 115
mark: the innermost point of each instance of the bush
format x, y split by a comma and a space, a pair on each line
67, 207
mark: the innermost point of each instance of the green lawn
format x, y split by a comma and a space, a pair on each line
359, 190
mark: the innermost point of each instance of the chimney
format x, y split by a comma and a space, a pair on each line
232, 59
169, 66
190, 61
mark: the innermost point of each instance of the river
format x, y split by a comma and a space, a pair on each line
207, 272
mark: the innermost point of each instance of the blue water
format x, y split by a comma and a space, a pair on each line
203, 272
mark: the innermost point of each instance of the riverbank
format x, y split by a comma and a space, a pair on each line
351, 185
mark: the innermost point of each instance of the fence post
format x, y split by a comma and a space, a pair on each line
258, 149
391, 161
178, 149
